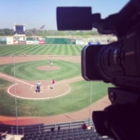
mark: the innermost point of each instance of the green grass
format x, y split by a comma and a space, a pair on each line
78, 98
6, 104
47, 49
29, 71
4, 83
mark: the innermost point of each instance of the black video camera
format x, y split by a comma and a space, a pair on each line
117, 62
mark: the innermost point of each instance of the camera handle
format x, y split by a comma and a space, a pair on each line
121, 120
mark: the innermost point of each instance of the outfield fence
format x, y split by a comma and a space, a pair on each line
9, 40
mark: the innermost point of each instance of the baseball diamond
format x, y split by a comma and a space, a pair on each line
70, 95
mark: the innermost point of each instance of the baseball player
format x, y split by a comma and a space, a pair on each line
53, 82
24, 54
51, 63
38, 86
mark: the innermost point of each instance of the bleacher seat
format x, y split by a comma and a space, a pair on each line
67, 131
65, 134
22, 129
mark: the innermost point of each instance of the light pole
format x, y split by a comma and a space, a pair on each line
15, 95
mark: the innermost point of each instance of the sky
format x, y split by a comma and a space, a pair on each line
35, 13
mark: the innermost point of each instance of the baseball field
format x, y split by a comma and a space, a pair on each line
19, 74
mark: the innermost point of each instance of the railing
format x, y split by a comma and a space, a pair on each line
21, 129
41, 127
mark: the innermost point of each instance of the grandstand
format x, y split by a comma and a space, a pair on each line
60, 131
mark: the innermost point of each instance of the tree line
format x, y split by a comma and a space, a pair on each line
44, 33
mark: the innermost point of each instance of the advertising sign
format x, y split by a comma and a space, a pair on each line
9, 40
35, 42
42, 42
3, 39
21, 42
81, 42
15, 42
29, 42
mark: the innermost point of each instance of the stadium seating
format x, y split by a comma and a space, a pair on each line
21, 129
68, 131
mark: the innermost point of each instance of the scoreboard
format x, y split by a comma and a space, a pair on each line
19, 29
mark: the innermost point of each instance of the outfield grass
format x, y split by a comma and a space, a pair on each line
47, 49
29, 71
78, 98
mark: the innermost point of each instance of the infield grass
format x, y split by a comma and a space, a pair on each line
29, 71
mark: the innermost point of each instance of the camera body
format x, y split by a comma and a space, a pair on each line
117, 63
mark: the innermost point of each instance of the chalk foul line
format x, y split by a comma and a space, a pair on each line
9, 77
